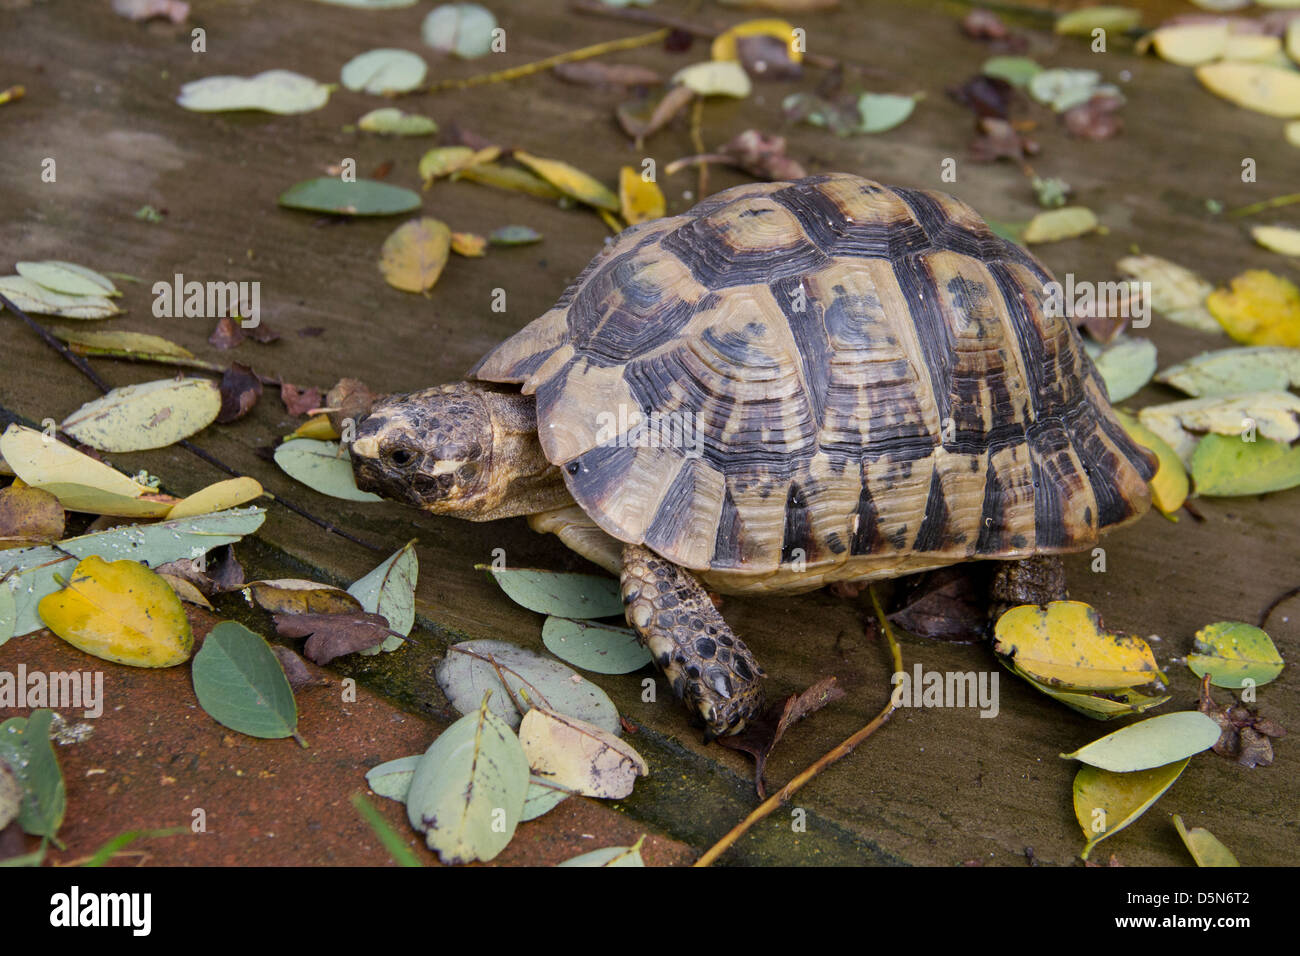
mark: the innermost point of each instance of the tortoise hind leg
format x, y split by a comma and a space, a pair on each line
706, 664
1036, 580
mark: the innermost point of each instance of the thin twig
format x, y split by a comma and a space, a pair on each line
1273, 605
697, 140
843, 750
84, 368
1265, 204
540, 66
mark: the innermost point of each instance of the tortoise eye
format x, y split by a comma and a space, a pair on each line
401, 457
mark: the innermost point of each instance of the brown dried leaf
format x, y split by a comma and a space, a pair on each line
985, 95
998, 139
595, 73
763, 156
29, 516
227, 334
299, 401
300, 673
174, 10
983, 25
1096, 119
767, 57
351, 399
761, 735
333, 635
949, 604
639, 119
240, 391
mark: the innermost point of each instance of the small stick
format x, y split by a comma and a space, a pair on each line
697, 140
1273, 605
1273, 203
539, 66
843, 750
84, 368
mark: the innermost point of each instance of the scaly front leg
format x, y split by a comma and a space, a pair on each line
706, 664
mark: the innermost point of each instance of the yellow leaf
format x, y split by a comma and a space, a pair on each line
415, 254
1064, 645
1251, 47
1292, 130
1293, 39
715, 78
1265, 89
318, 428
510, 177
147, 415
468, 244
570, 180
1067, 222
29, 516
1106, 802
185, 590
1280, 239
724, 47
120, 611
579, 756
1169, 484
299, 596
640, 200
216, 497
1261, 309
446, 160
81, 483
1204, 847
1191, 44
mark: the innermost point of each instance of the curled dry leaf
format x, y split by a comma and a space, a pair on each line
998, 139
449, 160
760, 736
29, 516
298, 400
1096, 119
299, 596
985, 95
511, 178
579, 756
349, 400
333, 635
240, 391
299, 672
469, 244
643, 118
762, 155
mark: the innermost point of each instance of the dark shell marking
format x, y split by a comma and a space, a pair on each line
871, 373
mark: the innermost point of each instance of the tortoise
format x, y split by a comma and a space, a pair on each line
789, 385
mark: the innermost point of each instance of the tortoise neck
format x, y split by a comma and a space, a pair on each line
523, 481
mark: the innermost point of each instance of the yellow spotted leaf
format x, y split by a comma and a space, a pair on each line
145, 416
724, 47
1107, 802
120, 611
216, 497
639, 199
1169, 485
1255, 86
1065, 646
415, 254
1259, 309
570, 180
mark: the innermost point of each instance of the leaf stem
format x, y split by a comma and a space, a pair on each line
1262, 205
837, 753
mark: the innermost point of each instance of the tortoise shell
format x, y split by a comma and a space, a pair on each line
871, 374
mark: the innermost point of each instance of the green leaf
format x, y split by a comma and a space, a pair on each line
240, 683
1083, 21
1205, 849
560, 593
67, 277
1228, 371
595, 647
25, 746
384, 71
1105, 802
468, 792
470, 670
609, 856
145, 416
365, 197
394, 122
1100, 704
514, 236
104, 855
275, 91
1125, 366
34, 569
321, 466
8, 612
1235, 654
1224, 466
543, 797
1062, 89
883, 111
392, 779
392, 841
390, 590
38, 300
1016, 70
1153, 742
462, 29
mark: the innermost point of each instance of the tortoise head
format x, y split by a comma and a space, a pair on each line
431, 449
460, 449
